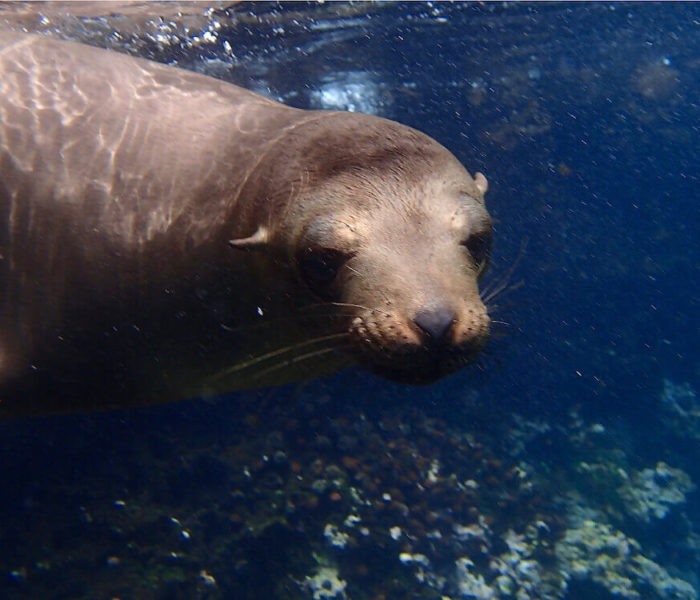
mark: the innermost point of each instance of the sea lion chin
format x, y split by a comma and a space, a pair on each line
165, 235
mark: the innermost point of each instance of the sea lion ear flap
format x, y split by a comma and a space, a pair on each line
257, 241
481, 184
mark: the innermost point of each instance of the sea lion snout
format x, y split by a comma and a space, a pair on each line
435, 322
436, 341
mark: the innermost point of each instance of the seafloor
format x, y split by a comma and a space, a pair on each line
320, 497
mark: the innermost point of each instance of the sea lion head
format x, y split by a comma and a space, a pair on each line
386, 227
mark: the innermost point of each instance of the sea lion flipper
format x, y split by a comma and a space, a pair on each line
254, 242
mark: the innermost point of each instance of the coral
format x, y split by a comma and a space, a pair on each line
597, 553
470, 583
335, 537
519, 574
653, 493
680, 410
514, 573
681, 399
325, 584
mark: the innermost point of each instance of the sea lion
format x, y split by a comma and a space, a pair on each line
165, 235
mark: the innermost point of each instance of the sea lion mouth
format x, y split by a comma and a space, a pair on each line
425, 365
421, 353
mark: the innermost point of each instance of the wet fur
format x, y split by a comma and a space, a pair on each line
123, 186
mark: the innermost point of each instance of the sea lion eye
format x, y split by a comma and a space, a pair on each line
319, 266
478, 245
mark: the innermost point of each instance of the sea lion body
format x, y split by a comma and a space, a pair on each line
164, 235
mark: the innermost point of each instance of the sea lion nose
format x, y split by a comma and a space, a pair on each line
435, 322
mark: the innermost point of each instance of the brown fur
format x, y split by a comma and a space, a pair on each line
123, 184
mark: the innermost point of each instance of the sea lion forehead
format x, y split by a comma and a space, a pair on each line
452, 201
371, 205
336, 229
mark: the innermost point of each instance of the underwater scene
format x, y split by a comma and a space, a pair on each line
564, 464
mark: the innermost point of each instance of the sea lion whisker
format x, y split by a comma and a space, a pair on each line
493, 309
279, 352
348, 304
500, 308
499, 334
328, 305
490, 292
501, 291
484, 362
371, 310
285, 319
294, 360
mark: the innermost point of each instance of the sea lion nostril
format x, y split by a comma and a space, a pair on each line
435, 322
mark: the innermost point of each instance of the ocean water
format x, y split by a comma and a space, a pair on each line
564, 464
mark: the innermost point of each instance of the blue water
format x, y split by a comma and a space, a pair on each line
581, 416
